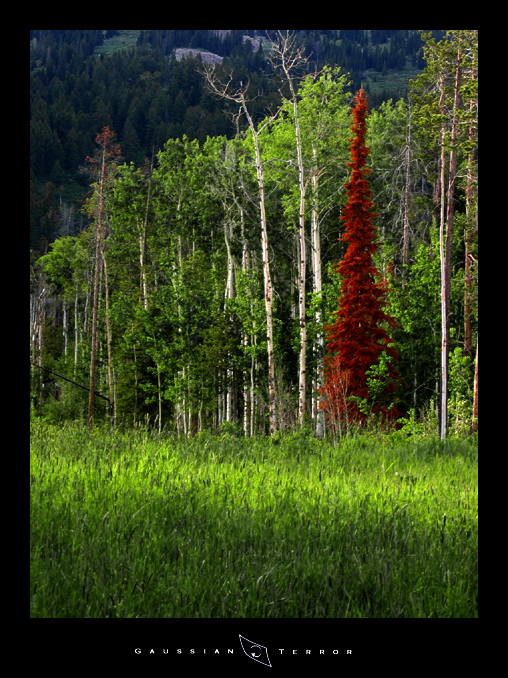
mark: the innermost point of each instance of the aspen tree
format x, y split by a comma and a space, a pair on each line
76, 335
288, 58
314, 133
405, 247
439, 105
37, 317
142, 244
224, 91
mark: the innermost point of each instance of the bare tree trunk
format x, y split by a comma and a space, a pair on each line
108, 336
266, 269
229, 294
98, 260
446, 266
33, 318
445, 251
185, 408
253, 372
302, 273
114, 401
290, 58
64, 327
451, 188
246, 399
76, 317
135, 385
38, 327
294, 278
468, 240
42, 322
143, 240
245, 340
444, 305
318, 288
468, 279
302, 264
86, 319
405, 249
189, 401
221, 89
475, 398
160, 397
37, 320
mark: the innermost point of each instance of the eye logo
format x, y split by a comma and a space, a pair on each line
257, 652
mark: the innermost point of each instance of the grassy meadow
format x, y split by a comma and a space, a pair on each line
136, 525
125, 40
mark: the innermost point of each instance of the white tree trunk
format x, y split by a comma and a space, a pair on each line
475, 398
266, 270
76, 343
229, 294
318, 288
64, 327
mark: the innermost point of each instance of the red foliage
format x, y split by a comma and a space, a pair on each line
357, 338
106, 141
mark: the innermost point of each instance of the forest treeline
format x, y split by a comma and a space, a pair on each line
160, 305
147, 97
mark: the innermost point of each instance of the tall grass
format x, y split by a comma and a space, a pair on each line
136, 525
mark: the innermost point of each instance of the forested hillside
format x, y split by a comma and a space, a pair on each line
136, 83
196, 283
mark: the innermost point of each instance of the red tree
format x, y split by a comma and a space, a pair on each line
357, 338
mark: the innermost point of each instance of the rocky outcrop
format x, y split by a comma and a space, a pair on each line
210, 57
207, 57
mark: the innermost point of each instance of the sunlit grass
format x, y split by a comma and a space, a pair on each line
133, 525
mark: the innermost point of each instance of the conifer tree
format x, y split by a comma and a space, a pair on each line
357, 339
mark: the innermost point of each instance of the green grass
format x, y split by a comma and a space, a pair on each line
125, 40
393, 81
133, 525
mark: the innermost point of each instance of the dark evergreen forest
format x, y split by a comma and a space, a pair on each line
147, 97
